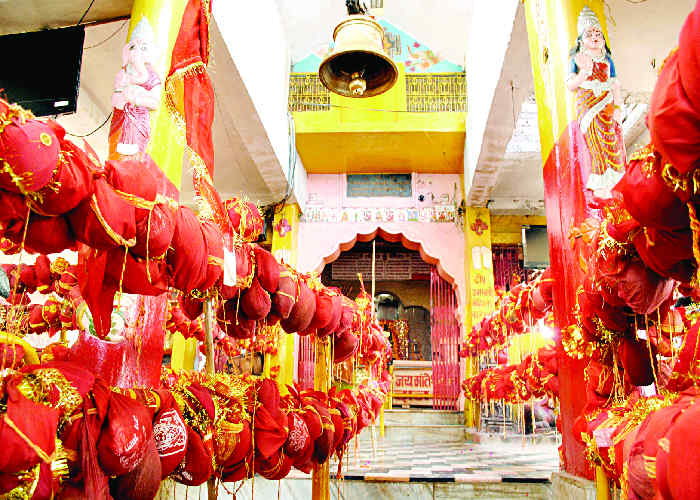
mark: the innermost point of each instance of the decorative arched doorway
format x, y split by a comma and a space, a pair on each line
441, 245
416, 303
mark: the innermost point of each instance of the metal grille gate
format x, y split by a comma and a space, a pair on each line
306, 362
444, 335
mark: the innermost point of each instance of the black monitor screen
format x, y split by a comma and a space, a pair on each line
535, 246
41, 69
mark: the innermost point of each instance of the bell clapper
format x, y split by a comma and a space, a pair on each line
357, 85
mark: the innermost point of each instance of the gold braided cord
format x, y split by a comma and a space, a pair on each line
695, 228
59, 266
217, 261
14, 114
118, 239
19, 180
650, 466
139, 202
35, 448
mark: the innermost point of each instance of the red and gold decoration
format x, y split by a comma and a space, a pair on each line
625, 256
88, 440
535, 377
76, 425
517, 311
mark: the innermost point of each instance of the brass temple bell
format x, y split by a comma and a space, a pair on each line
358, 66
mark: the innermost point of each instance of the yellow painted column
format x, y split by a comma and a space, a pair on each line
320, 479
165, 17
480, 287
552, 32
552, 27
191, 345
602, 485
177, 356
285, 231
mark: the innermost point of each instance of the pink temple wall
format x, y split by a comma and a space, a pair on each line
323, 234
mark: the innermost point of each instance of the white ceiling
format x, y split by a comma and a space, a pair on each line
32, 15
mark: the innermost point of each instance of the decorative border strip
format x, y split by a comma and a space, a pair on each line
380, 214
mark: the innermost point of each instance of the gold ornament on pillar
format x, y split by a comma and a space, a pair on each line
358, 65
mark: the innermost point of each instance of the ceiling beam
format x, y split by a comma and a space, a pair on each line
514, 85
250, 114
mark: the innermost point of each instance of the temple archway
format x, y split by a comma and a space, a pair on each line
441, 245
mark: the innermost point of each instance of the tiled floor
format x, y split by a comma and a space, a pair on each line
450, 462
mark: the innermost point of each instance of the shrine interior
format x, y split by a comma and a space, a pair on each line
338, 249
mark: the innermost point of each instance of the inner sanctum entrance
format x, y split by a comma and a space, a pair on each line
416, 308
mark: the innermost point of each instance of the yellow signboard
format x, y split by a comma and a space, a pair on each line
478, 260
285, 230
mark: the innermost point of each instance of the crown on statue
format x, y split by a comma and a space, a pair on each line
586, 19
143, 31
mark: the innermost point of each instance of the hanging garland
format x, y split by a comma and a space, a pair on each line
87, 439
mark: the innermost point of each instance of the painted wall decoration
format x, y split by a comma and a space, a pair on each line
401, 47
375, 214
413, 383
427, 218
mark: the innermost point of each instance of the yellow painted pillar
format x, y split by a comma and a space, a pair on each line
602, 486
320, 479
177, 357
165, 18
480, 287
285, 231
162, 19
191, 345
552, 27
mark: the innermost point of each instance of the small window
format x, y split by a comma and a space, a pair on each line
376, 185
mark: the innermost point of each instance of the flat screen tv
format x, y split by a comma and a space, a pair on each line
535, 247
41, 69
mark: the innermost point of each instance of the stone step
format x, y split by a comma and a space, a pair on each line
423, 417
510, 437
415, 434
382, 487
419, 426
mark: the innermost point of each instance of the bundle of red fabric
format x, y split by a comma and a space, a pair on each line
536, 376
245, 218
29, 150
516, 312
